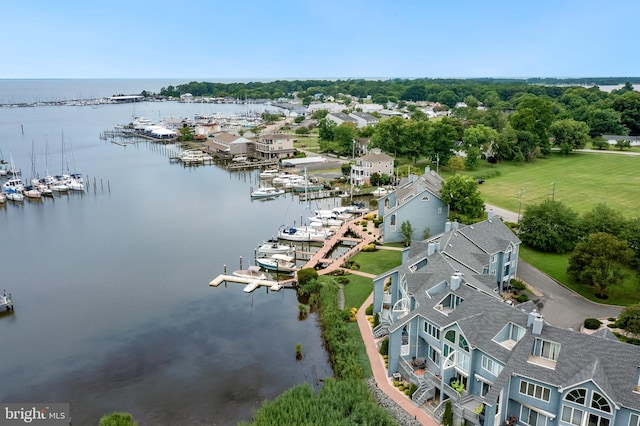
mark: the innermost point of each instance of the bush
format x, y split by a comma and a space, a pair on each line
592, 323
412, 389
376, 320
369, 310
306, 275
407, 392
384, 347
517, 284
487, 174
521, 298
118, 419
369, 247
401, 388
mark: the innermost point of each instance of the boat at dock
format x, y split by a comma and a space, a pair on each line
252, 272
269, 173
278, 262
274, 247
302, 234
266, 192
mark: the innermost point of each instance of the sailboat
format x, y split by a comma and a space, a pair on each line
76, 183
56, 183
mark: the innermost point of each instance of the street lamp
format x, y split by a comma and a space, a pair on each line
553, 191
520, 203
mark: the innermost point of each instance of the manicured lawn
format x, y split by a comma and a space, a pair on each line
581, 181
555, 265
379, 261
357, 291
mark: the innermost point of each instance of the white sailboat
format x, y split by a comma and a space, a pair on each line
13, 187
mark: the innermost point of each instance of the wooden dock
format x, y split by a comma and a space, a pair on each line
273, 285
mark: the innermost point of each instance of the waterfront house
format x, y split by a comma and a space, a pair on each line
274, 146
417, 200
229, 144
453, 336
375, 161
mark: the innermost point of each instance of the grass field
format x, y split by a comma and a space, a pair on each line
579, 180
379, 261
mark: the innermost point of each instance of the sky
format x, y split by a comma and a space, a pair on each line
326, 39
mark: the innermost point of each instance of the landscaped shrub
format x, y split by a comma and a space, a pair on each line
369, 310
487, 174
447, 416
592, 323
521, 298
369, 247
412, 389
376, 320
306, 275
384, 347
401, 388
517, 284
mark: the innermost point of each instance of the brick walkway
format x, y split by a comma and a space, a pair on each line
380, 373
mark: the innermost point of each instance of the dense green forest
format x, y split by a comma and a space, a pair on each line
382, 91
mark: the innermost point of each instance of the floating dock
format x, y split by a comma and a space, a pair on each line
273, 285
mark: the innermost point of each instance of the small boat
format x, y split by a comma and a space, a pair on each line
3, 197
239, 159
307, 186
253, 272
6, 301
31, 192
250, 287
278, 262
380, 191
302, 234
13, 184
269, 173
14, 195
267, 191
76, 183
273, 247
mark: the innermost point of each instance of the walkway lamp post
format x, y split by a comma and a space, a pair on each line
520, 203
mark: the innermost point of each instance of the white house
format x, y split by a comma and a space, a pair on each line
375, 161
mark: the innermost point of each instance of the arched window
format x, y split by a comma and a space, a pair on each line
577, 396
599, 402
450, 336
462, 342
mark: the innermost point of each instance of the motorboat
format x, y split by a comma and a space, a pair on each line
269, 173
251, 286
380, 191
13, 184
278, 262
306, 185
3, 198
41, 186
253, 273
267, 191
76, 183
6, 301
309, 233
318, 221
239, 159
273, 247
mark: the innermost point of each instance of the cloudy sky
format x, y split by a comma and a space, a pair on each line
270, 39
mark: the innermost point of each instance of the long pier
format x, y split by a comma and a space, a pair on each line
272, 285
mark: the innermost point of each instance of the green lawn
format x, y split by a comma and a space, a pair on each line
379, 261
555, 265
579, 180
357, 291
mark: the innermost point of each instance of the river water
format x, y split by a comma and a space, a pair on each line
112, 305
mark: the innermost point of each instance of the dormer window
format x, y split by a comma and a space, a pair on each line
449, 303
509, 335
545, 353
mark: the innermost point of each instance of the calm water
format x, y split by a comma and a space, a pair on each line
113, 308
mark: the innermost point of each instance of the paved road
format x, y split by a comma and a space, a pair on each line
560, 306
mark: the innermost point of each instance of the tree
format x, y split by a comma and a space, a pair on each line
407, 232
629, 319
462, 193
444, 135
534, 114
299, 119
550, 226
184, 133
319, 114
343, 136
628, 105
481, 137
346, 169
302, 131
455, 164
622, 144
374, 179
631, 233
326, 129
387, 134
598, 261
569, 134
604, 121
602, 218
599, 143
472, 160
414, 139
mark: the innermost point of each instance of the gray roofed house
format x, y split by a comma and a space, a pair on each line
340, 117
363, 119
451, 333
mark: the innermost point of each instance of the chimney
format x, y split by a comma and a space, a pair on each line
431, 249
427, 169
531, 316
447, 226
454, 225
437, 246
537, 325
456, 279
490, 215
